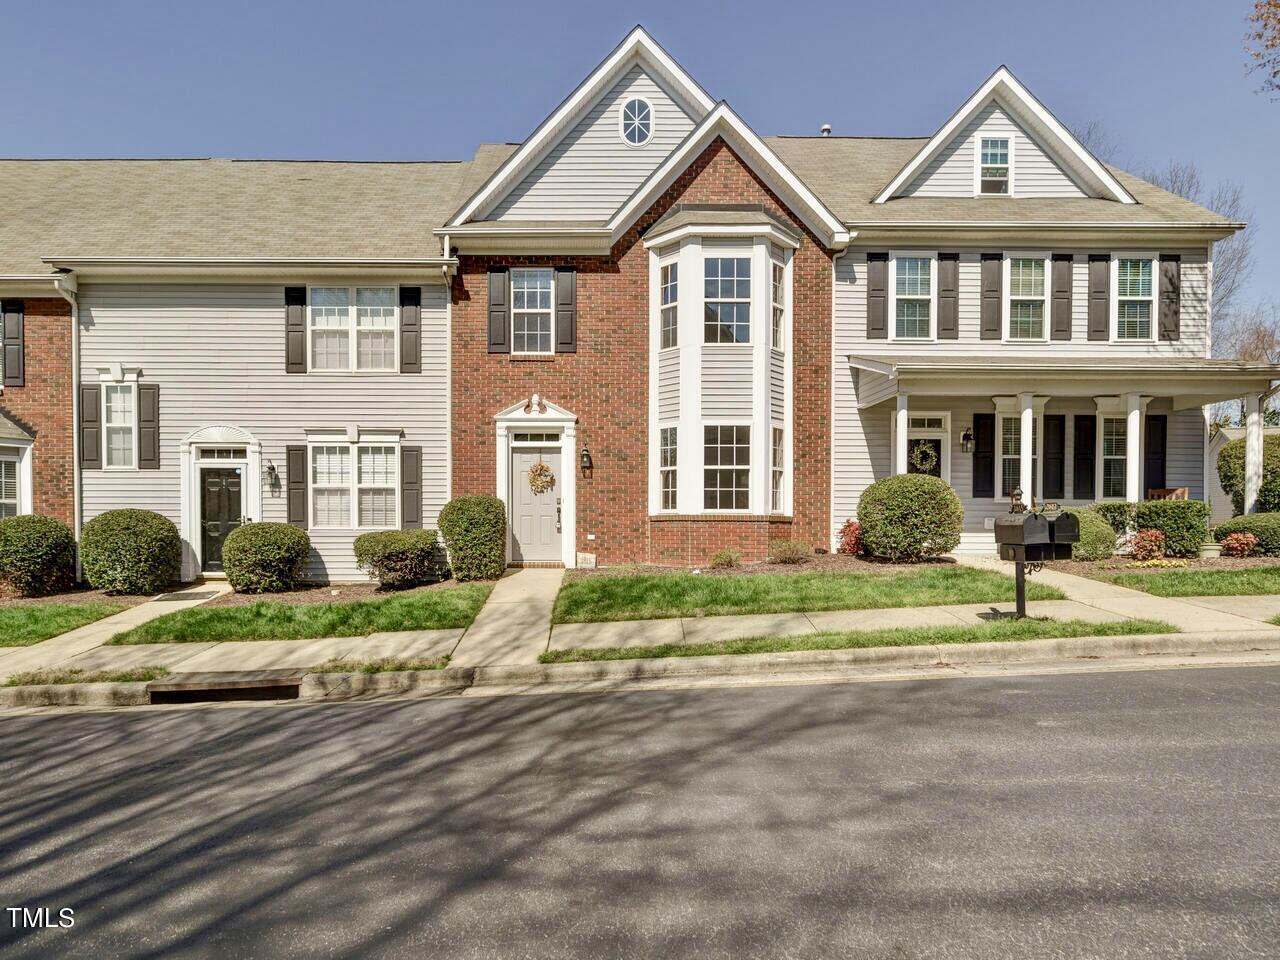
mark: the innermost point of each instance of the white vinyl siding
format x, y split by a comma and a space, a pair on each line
669, 385
727, 379
591, 171
217, 352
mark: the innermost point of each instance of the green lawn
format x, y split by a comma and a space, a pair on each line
21, 626
1203, 583
1000, 631
653, 596
422, 610
38, 678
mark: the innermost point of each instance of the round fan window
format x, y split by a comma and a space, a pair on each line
637, 121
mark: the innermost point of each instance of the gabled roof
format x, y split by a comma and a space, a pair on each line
12, 431
759, 156
637, 46
1004, 88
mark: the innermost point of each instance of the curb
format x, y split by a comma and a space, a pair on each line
76, 695
348, 686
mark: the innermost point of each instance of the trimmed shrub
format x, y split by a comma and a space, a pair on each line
1184, 523
265, 557
1264, 526
37, 554
1118, 513
399, 558
723, 559
790, 551
1239, 545
1148, 545
475, 531
910, 517
1097, 539
851, 538
1231, 473
130, 551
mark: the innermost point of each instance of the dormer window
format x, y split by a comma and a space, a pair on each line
636, 121
993, 176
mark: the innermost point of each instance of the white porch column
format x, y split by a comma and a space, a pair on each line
902, 426
1026, 449
1252, 451
1133, 447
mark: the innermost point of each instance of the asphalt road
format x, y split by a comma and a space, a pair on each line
1099, 815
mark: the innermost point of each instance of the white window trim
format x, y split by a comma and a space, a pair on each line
672, 259
132, 384
1100, 469
26, 492
925, 433
710, 252
653, 121
352, 330
932, 256
551, 312
977, 165
753, 469
663, 470
780, 467
1010, 407
342, 439
1007, 285
1115, 298
779, 345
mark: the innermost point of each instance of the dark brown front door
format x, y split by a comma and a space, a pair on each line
219, 512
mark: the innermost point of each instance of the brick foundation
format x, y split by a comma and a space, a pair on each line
43, 405
679, 540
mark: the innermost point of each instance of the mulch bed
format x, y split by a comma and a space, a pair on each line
324, 593
820, 563
86, 595
1093, 568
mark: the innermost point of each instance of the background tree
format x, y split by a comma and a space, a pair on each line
1263, 44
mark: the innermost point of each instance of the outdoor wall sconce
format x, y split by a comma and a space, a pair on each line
585, 459
966, 440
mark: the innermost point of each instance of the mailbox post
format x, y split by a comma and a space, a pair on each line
1033, 537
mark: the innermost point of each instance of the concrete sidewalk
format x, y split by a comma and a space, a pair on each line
515, 622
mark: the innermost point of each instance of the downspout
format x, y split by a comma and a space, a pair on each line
68, 288
831, 413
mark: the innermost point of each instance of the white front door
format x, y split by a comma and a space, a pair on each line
535, 517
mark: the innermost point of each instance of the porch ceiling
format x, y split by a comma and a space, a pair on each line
1188, 382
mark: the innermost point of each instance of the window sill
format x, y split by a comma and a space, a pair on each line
721, 516
532, 357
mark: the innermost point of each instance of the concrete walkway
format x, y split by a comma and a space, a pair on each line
515, 623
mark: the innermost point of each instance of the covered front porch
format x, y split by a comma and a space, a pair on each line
1073, 431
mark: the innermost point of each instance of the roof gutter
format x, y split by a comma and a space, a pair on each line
171, 268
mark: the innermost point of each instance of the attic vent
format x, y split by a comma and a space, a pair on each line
826, 129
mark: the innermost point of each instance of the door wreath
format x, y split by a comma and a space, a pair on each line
541, 479
924, 458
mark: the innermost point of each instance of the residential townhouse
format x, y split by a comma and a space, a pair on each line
710, 338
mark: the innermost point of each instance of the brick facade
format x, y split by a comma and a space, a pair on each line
43, 405
606, 385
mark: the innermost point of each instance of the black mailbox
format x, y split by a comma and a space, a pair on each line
1036, 537
1022, 529
1065, 528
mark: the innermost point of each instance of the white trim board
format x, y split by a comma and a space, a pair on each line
536, 415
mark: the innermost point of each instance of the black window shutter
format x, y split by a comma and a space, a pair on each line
566, 310
295, 470
984, 455
877, 296
91, 427
1170, 296
1055, 453
499, 311
948, 296
11, 319
1154, 454
295, 329
148, 426
1099, 297
992, 296
1060, 290
410, 329
411, 488
1082, 462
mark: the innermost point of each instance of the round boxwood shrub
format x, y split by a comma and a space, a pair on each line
399, 558
1264, 526
1231, 473
1184, 523
265, 557
1097, 539
130, 551
910, 517
37, 554
475, 531
1118, 513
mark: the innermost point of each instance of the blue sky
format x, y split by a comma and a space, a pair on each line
397, 80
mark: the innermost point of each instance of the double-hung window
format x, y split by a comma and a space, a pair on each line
1114, 446
669, 319
354, 485
531, 311
353, 328
993, 174
726, 477
776, 453
667, 442
777, 296
727, 299
9, 458
1011, 457
119, 420
1134, 297
913, 297
1026, 298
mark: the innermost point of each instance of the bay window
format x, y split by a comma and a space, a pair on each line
353, 328
668, 457
1135, 297
1026, 298
670, 293
727, 300
119, 413
776, 452
913, 296
531, 312
726, 477
777, 296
